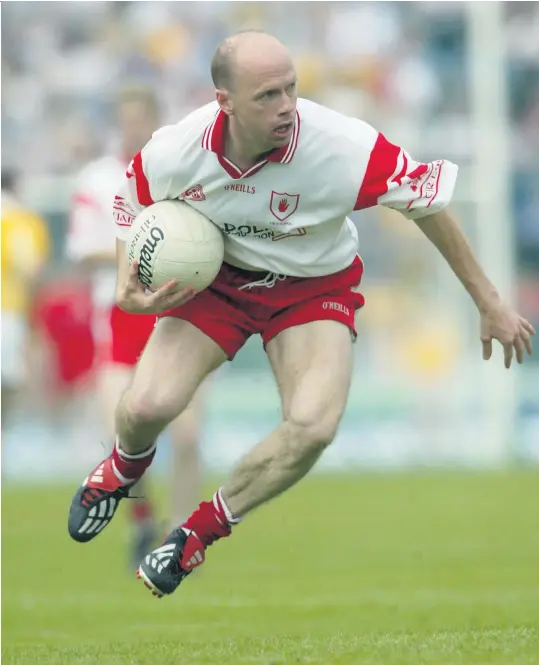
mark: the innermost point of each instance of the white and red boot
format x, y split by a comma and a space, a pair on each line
163, 570
97, 499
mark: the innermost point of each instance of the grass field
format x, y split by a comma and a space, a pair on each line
425, 569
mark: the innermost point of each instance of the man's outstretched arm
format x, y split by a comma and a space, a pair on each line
498, 320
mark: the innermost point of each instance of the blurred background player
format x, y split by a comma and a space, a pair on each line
120, 337
25, 250
61, 348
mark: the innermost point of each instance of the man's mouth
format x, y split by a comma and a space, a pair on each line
284, 128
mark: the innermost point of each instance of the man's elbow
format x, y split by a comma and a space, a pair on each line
440, 213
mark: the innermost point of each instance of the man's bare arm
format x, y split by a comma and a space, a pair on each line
445, 234
498, 320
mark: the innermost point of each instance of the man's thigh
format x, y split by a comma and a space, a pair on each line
313, 365
175, 361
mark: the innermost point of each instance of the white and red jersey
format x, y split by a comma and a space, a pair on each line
288, 213
90, 232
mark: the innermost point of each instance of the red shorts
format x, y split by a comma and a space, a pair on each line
230, 314
62, 312
129, 334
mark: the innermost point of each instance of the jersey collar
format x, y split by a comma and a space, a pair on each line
213, 140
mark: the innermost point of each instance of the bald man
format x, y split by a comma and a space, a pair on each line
278, 175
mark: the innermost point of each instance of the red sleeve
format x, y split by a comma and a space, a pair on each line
388, 165
394, 180
142, 184
132, 197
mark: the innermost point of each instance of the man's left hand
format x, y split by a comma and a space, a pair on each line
513, 331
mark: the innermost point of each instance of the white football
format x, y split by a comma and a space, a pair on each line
171, 240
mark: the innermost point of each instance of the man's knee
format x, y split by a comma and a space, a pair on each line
312, 431
138, 408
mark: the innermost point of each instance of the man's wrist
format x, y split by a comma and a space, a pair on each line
484, 296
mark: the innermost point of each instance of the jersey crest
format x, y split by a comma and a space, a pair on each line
195, 193
282, 206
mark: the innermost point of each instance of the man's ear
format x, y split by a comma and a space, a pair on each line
223, 99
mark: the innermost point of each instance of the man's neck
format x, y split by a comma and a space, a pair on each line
238, 150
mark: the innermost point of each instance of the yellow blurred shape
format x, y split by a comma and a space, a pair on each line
170, 43
25, 249
428, 349
311, 73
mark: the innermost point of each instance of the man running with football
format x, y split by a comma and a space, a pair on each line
291, 275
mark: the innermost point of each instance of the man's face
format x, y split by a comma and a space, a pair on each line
263, 101
137, 121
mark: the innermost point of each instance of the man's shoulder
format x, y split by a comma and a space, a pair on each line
323, 124
188, 130
200, 118
175, 144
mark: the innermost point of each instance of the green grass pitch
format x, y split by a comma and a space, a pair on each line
404, 569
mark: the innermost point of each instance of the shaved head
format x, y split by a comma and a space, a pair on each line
255, 86
240, 50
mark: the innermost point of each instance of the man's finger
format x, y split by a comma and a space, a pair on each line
167, 289
132, 277
527, 326
180, 298
508, 354
133, 269
519, 348
132, 285
487, 348
527, 341
169, 300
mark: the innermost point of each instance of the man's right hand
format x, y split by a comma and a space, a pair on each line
132, 297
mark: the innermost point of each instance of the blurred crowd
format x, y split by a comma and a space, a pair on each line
400, 65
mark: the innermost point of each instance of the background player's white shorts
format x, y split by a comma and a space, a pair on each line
13, 335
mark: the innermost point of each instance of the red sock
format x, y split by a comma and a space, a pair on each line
141, 510
129, 467
211, 520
